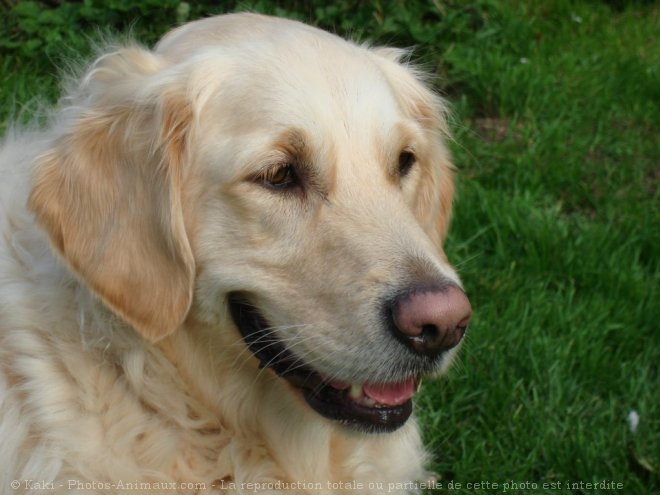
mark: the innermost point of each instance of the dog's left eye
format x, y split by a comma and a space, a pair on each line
406, 161
282, 177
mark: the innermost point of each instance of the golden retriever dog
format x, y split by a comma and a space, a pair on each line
221, 269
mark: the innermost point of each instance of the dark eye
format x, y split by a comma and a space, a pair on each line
406, 161
281, 177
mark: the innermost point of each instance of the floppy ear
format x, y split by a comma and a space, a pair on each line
436, 190
108, 191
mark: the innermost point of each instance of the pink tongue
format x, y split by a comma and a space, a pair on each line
390, 394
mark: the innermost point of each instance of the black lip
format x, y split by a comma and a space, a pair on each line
334, 404
327, 401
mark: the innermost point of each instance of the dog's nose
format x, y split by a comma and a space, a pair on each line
431, 321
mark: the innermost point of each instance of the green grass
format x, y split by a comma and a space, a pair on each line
556, 229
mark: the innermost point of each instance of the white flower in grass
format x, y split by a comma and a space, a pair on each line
633, 421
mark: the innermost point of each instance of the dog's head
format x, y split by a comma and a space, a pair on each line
269, 177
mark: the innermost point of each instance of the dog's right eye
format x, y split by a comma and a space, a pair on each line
406, 161
281, 177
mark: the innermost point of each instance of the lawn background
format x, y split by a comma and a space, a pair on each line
556, 230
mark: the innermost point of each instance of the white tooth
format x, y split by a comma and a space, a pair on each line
355, 392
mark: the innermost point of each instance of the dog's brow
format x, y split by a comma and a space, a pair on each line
294, 143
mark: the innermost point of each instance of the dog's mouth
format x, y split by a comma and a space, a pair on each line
368, 407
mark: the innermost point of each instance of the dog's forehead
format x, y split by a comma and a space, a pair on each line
332, 111
282, 69
234, 29
337, 91
262, 77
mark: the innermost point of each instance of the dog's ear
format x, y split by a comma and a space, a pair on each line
108, 190
436, 190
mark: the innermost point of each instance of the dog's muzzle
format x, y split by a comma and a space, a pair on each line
427, 322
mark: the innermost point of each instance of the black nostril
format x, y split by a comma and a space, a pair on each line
432, 340
429, 332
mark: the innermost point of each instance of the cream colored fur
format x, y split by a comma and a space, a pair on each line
129, 218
